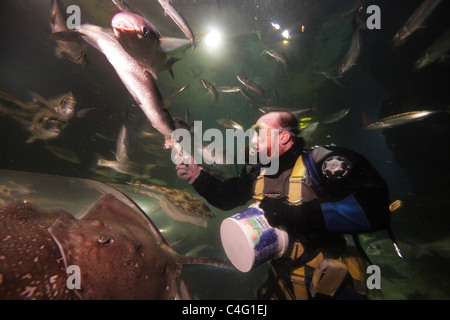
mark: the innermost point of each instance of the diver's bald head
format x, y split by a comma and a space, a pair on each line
281, 119
286, 124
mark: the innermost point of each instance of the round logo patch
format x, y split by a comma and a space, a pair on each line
336, 167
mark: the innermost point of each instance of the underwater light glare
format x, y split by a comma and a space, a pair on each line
275, 25
213, 39
286, 34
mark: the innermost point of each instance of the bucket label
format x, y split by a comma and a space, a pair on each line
264, 237
267, 247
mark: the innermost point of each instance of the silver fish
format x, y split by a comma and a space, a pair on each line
140, 38
307, 133
277, 56
249, 84
402, 118
69, 45
62, 106
127, 167
228, 89
176, 91
211, 90
415, 21
352, 54
338, 115
122, 145
176, 16
65, 154
332, 78
140, 84
44, 126
187, 116
230, 124
296, 113
435, 51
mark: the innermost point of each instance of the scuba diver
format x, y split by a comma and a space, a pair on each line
316, 195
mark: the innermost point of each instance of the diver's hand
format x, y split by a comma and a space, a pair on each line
305, 218
188, 170
276, 212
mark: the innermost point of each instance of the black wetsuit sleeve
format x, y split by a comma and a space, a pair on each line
225, 195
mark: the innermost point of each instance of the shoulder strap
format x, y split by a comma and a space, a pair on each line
258, 192
295, 182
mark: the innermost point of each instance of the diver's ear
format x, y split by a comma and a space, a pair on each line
285, 136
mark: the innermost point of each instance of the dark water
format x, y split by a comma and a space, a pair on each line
412, 158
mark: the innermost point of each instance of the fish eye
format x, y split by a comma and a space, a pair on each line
145, 31
104, 240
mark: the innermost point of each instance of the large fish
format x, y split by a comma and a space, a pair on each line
69, 45
415, 21
402, 118
140, 38
436, 51
139, 82
176, 16
352, 54
119, 252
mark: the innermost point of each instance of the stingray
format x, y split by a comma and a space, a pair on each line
119, 252
179, 205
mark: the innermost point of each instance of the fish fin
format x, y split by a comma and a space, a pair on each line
10, 98
30, 139
169, 64
170, 44
152, 73
99, 159
37, 97
82, 113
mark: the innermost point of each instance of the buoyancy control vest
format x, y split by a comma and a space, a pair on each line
314, 265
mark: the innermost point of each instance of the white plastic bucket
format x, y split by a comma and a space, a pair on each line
249, 240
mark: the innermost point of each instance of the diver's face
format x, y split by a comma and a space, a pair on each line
268, 137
